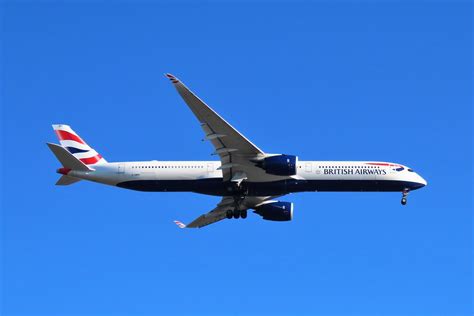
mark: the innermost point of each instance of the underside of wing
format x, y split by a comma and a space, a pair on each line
217, 214
237, 154
221, 211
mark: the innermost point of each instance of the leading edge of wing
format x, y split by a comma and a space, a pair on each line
206, 115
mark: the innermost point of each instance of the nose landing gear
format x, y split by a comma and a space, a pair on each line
404, 196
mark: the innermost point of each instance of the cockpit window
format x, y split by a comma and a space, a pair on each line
411, 170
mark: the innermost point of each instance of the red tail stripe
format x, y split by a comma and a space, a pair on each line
91, 160
63, 135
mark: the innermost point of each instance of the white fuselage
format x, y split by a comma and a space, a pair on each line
206, 177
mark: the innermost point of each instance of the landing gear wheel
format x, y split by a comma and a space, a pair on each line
243, 214
229, 214
236, 214
404, 196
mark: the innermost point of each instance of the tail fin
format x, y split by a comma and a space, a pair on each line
76, 146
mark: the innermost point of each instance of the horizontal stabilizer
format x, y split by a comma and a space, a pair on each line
67, 159
67, 180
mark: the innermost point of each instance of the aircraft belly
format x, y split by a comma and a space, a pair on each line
210, 186
215, 186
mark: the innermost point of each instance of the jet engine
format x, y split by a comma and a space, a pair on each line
276, 211
280, 165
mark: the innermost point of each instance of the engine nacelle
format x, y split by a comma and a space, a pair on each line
280, 165
276, 211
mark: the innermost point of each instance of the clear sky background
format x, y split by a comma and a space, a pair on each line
374, 80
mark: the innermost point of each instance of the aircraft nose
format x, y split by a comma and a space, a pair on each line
422, 180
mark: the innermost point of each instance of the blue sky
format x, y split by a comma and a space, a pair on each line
374, 80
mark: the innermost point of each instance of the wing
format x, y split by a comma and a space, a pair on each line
219, 213
236, 152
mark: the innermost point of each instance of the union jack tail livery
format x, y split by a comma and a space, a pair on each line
76, 146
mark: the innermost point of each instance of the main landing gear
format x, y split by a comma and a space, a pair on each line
404, 197
238, 189
236, 214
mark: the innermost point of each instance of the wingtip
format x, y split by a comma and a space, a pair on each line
172, 78
180, 224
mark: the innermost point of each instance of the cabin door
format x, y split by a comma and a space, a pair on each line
121, 169
210, 168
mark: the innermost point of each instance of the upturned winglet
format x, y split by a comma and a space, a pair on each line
172, 78
180, 224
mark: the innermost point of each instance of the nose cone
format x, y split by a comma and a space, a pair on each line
422, 181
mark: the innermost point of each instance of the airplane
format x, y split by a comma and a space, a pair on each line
246, 177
